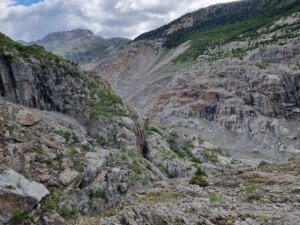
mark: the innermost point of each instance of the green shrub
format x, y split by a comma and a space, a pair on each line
68, 213
49, 205
200, 172
18, 217
98, 193
199, 180
86, 148
135, 167
214, 197
145, 180
101, 139
250, 188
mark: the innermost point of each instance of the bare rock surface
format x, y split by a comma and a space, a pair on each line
18, 193
248, 104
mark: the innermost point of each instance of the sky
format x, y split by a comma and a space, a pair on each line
31, 20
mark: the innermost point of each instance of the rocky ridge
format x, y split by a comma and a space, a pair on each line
81, 46
242, 95
68, 136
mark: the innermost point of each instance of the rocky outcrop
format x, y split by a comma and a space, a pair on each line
241, 95
27, 118
239, 198
18, 194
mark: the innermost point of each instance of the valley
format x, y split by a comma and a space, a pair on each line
196, 122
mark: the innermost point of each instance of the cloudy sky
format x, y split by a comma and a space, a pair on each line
32, 19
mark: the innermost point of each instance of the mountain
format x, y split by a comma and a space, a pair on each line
81, 46
71, 149
229, 73
201, 131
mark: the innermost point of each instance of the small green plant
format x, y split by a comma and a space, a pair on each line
72, 152
99, 193
39, 151
135, 167
250, 188
200, 172
50, 161
149, 129
86, 148
145, 180
101, 139
49, 205
65, 134
68, 213
199, 180
78, 167
214, 197
70, 137
52, 201
18, 217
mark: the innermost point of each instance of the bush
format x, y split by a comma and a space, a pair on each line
250, 188
18, 217
68, 213
214, 197
198, 180
200, 172
98, 193
49, 205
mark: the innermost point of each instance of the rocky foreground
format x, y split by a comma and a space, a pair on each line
269, 194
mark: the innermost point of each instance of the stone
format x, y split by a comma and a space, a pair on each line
27, 118
67, 176
53, 219
17, 192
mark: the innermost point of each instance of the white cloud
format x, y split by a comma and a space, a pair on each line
108, 18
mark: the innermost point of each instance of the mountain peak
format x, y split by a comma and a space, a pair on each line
67, 35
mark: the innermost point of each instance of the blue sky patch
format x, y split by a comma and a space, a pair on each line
26, 2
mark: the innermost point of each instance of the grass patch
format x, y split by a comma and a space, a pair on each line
52, 201
250, 188
155, 197
18, 217
68, 213
214, 197
70, 137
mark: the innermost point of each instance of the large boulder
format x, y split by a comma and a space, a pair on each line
27, 118
18, 193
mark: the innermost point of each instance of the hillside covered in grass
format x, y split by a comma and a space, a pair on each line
222, 23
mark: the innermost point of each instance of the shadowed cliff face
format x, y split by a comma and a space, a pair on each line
28, 84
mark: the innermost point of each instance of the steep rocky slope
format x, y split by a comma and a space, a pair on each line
236, 85
69, 147
80, 45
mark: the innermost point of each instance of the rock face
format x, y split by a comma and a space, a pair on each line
247, 102
27, 118
18, 193
78, 139
245, 198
